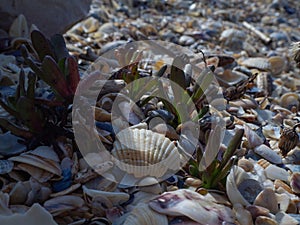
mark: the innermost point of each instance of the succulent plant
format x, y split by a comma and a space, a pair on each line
215, 173
38, 117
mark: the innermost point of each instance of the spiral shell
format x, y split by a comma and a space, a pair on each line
145, 153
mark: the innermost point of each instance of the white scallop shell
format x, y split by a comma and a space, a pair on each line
145, 153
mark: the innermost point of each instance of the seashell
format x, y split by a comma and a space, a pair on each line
277, 64
288, 100
240, 188
145, 153
193, 182
295, 182
37, 173
180, 202
257, 211
283, 201
6, 166
115, 197
229, 78
268, 154
243, 216
166, 130
19, 193
35, 215
263, 220
267, 199
61, 204
271, 131
90, 25
253, 139
274, 172
245, 164
258, 63
285, 219
66, 191
150, 185
293, 157
19, 27
142, 214
280, 183
10, 145
27, 158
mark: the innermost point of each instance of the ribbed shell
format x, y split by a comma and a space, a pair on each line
145, 153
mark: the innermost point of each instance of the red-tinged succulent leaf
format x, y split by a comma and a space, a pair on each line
30, 116
55, 78
41, 45
73, 76
31, 85
59, 46
14, 129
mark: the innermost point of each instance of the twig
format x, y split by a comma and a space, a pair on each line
262, 36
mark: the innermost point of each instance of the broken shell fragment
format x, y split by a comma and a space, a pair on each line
295, 182
142, 214
268, 154
267, 199
240, 188
36, 215
180, 202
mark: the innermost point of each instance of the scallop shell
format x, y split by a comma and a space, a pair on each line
240, 184
145, 153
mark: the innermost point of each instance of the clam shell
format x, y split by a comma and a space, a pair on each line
263, 220
288, 100
274, 172
114, 197
52, 167
257, 62
267, 199
62, 204
277, 64
45, 152
268, 154
145, 153
143, 215
242, 215
285, 219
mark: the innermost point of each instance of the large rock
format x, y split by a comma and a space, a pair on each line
50, 16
